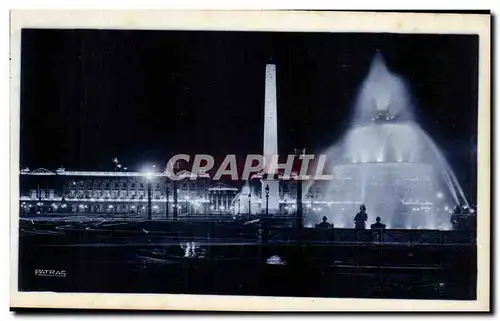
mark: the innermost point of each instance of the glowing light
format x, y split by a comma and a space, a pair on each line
132, 207
155, 207
110, 206
149, 175
472, 210
275, 260
439, 195
446, 208
212, 207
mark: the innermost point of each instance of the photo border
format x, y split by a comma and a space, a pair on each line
256, 20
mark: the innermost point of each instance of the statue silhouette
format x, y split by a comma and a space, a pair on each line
360, 218
324, 224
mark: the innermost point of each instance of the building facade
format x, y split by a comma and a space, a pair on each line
63, 191
118, 192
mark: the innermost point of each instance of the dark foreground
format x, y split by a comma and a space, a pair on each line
228, 258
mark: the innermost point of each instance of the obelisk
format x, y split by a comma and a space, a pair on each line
270, 140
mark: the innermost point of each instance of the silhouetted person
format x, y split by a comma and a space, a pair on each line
377, 225
360, 218
324, 224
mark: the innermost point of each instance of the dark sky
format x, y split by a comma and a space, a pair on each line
90, 95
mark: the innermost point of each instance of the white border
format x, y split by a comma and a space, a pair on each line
263, 21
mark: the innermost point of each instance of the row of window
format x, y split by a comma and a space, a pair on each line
124, 185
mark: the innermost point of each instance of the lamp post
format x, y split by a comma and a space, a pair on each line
150, 216
239, 205
166, 198
267, 200
299, 152
149, 178
188, 210
175, 200
174, 187
249, 204
39, 196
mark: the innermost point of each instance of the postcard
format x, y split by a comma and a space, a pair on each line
250, 160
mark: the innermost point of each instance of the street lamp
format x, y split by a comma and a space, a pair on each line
298, 199
176, 207
166, 197
149, 177
115, 160
186, 198
249, 203
150, 216
267, 200
175, 191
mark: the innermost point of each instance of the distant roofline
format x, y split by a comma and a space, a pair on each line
222, 187
63, 172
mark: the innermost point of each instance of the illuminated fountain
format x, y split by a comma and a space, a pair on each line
387, 162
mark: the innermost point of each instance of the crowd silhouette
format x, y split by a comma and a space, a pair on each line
360, 220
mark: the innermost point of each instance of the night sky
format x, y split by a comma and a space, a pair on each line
142, 96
